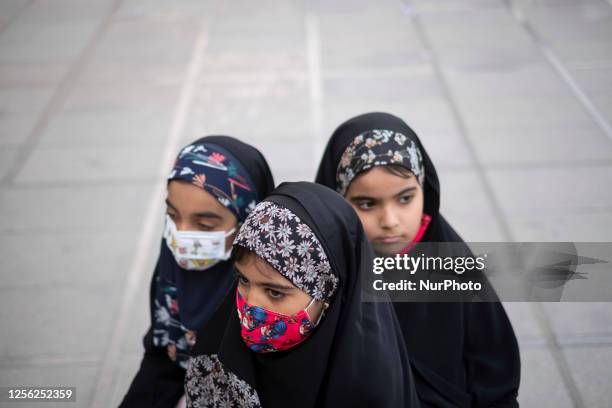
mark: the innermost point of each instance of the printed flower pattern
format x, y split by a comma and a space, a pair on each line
378, 147
280, 237
208, 167
209, 385
167, 329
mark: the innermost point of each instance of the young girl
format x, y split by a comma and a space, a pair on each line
214, 184
301, 337
462, 354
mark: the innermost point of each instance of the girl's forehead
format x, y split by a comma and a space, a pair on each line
254, 267
380, 182
191, 198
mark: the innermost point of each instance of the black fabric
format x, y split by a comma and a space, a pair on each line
159, 381
462, 354
356, 356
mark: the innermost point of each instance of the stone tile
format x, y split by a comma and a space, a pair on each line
101, 98
420, 86
588, 17
90, 164
79, 208
517, 145
15, 129
430, 118
272, 31
593, 226
67, 258
160, 9
604, 104
552, 192
31, 75
447, 6
498, 58
65, 11
526, 327
573, 319
584, 51
591, 371
250, 67
447, 149
165, 41
29, 42
595, 80
534, 111
255, 110
81, 376
472, 29
9, 9
541, 383
119, 73
385, 37
290, 156
7, 160
41, 322
29, 101
107, 130
466, 206
523, 81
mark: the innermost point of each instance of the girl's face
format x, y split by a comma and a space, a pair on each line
262, 285
193, 209
390, 208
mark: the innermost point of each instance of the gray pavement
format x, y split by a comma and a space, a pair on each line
513, 99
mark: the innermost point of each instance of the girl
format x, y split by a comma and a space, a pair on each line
301, 337
462, 354
215, 182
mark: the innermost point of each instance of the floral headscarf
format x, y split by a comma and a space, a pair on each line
378, 147
211, 168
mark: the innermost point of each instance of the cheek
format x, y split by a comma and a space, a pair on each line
287, 306
411, 217
369, 223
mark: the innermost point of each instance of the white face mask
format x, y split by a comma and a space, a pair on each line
196, 250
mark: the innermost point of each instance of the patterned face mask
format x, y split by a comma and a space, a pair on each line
196, 250
265, 331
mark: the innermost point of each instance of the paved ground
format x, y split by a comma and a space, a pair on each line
512, 98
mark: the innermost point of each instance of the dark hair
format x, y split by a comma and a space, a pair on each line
398, 170
239, 253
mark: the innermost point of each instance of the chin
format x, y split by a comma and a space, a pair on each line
388, 249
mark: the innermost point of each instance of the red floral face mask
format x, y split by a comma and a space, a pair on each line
265, 331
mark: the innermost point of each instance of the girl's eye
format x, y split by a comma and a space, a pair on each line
171, 215
242, 280
406, 199
204, 227
276, 295
365, 205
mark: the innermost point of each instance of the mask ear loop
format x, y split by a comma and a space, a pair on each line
325, 306
229, 233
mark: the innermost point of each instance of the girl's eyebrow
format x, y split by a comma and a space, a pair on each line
208, 214
361, 198
270, 285
364, 197
169, 204
406, 190
273, 285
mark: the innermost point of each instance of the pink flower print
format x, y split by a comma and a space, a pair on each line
199, 180
218, 157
